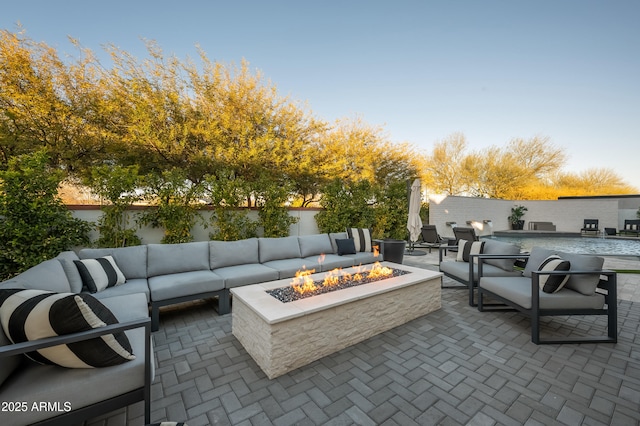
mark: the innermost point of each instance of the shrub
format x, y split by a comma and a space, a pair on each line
34, 223
346, 205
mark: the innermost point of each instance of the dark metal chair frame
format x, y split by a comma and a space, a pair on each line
586, 229
80, 415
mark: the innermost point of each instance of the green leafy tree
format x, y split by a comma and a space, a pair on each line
227, 193
118, 185
272, 211
34, 224
346, 205
175, 205
391, 211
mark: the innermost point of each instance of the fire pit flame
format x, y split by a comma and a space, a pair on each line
302, 283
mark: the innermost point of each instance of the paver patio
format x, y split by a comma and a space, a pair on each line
453, 366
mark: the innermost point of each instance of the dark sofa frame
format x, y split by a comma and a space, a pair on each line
607, 286
102, 407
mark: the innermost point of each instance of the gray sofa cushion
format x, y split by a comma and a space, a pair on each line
460, 270
364, 257
518, 290
66, 258
230, 253
333, 236
287, 268
132, 261
190, 283
536, 257
331, 261
500, 247
134, 285
48, 275
311, 245
278, 248
52, 384
164, 259
584, 284
239, 275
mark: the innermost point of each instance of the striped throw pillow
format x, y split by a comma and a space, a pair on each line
99, 274
361, 238
553, 283
467, 248
28, 315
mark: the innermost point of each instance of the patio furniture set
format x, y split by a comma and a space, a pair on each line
56, 312
539, 284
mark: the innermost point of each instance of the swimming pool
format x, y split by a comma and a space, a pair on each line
584, 245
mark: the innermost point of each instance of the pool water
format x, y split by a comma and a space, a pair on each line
583, 245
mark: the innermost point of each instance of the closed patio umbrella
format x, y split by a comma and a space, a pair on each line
414, 223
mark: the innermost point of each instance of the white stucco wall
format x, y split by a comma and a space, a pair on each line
567, 214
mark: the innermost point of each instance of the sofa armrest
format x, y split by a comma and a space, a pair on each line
25, 347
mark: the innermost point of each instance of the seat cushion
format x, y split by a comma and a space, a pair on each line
287, 268
132, 261
34, 382
239, 275
278, 248
230, 253
518, 290
132, 286
362, 258
166, 259
28, 315
332, 261
164, 287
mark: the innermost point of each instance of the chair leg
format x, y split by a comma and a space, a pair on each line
155, 317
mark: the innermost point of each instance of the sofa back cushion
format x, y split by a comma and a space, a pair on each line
500, 247
165, 259
584, 284
48, 275
66, 258
231, 253
278, 248
132, 261
333, 236
536, 257
315, 245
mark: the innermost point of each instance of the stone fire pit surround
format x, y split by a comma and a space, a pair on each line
284, 336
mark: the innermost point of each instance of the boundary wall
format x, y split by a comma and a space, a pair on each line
488, 215
306, 224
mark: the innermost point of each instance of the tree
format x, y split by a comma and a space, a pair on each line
445, 165
118, 185
34, 224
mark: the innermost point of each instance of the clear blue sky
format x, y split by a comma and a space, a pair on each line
491, 69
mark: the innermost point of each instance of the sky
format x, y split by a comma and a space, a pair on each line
492, 70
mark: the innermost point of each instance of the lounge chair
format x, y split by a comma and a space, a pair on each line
590, 225
631, 226
429, 238
467, 234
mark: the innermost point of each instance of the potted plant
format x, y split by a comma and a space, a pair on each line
515, 219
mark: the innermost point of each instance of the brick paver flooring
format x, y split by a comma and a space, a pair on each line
456, 366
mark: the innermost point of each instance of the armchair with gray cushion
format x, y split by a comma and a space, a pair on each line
580, 287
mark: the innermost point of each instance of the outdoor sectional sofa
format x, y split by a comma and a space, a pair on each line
156, 275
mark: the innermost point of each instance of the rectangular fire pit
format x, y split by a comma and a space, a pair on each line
284, 336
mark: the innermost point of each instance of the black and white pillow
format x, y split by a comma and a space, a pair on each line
467, 248
553, 283
361, 238
346, 246
99, 274
28, 315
